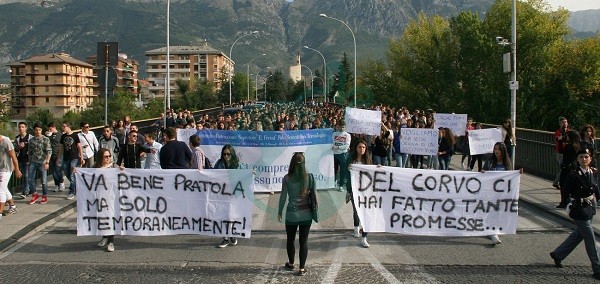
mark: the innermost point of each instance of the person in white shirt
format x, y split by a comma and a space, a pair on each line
152, 158
341, 144
89, 144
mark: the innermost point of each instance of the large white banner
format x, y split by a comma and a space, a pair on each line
362, 121
481, 141
164, 202
456, 122
268, 153
436, 203
419, 141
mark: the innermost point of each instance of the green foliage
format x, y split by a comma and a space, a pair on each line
199, 96
41, 116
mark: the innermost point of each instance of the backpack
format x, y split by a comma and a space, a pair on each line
207, 163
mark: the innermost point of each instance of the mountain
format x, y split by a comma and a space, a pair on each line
29, 27
585, 21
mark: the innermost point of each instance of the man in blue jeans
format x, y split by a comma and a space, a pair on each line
71, 154
40, 151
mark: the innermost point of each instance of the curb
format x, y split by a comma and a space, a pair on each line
38, 225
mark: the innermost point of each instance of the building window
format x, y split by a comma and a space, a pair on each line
47, 89
32, 101
46, 77
47, 100
46, 67
33, 90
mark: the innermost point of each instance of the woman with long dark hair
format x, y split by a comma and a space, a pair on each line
569, 157
228, 160
445, 148
360, 155
296, 187
508, 136
106, 161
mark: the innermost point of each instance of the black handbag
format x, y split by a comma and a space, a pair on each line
312, 199
581, 209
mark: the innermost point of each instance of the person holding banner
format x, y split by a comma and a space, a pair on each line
360, 155
500, 161
446, 143
228, 160
296, 190
476, 158
105, 161
581, 183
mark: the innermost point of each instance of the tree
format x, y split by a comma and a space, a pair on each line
41, 116
343, 81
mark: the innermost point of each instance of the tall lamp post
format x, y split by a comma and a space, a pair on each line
267, 78
312, 89
355, 58
230, 51
324, 70
514, 84
168, 94
248, 84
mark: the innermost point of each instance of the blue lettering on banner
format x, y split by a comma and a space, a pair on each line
266, 138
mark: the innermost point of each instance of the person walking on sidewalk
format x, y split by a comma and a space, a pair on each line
21, 150
71, 155
130, 153
295, 189
8, 164
560, 141
55, 167
581, 183
89, 145
569, 160
40, 151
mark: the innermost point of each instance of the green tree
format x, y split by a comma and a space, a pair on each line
42, 116
343, 82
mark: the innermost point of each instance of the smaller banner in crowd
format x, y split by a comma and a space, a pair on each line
456, 122
436, 203
164, 202
419, 141
184, 134
481, 141
362, 121
268, 153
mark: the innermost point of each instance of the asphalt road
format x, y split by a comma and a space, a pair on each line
57, 255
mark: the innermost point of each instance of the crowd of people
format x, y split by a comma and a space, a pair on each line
121, 145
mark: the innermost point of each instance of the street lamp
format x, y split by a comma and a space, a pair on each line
168, 94
324, 70
355, 59
248, 84
267, 78
312, 89
230, 51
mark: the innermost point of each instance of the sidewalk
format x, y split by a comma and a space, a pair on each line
33, 218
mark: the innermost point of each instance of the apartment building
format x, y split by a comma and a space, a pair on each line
54, 81
189, 63
127, 74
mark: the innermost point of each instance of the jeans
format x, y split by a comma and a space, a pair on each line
57, 172
356, 219
68, 166
35, 168
378, 160
401, 160
444, 162
24, 168
585, 232
342, 160
434, 162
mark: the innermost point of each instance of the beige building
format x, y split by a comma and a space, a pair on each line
296, 69
188, 63
127, 74
55, 81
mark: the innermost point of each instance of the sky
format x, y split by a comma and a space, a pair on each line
575, 5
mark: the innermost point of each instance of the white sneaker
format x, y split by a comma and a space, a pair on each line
56, 188
70, 196
356, 233
495, 239
61, 187
462, 166
364, 243
103, 242
341, 188
110, 247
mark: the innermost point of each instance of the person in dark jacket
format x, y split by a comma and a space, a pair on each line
581, 183
130, 153
174, 154
228, 160
569, 156
446, 143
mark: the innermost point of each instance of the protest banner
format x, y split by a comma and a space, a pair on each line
436, 203
419, 141
268, 153
456, 122
184, 134
362, 121
164, 202
481, 141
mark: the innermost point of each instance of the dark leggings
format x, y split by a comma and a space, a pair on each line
356, 219
291, 238
478, 159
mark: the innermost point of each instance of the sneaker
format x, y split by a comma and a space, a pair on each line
224, 243
462, 166
34, 198
103, 242
233, 241
70, 196
56, 188
364, 243
356, 233
272, 192
61, 187
22, 196
495, 239
110, 247
44, 199
341, 189
12, 209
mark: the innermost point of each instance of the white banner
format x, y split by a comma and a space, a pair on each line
164, 202
436, 203
456, 122
362, 121
184, 134
419, 141
481, 141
